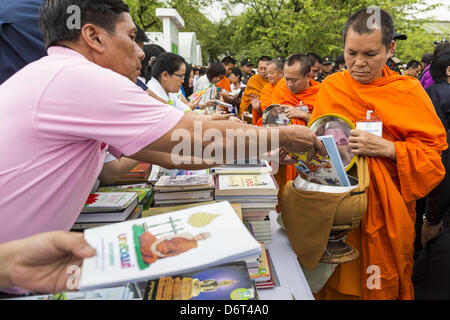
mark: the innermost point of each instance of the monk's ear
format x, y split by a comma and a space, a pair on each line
93, 37
392, 48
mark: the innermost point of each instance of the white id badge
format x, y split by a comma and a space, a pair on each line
302, 107
371, 124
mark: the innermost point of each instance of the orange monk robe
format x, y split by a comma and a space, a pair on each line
224, 84
386, 234
254, 86
265, 99
282, 95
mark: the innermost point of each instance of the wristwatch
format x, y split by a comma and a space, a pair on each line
429, 223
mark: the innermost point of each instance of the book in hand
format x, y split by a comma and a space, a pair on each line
238, 185
325, 170
230, 281
165, 245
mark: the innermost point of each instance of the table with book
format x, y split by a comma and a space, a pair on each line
180, 235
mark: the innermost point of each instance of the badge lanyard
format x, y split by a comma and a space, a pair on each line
371, 124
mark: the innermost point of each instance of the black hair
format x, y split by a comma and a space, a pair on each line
216, 69
237, 72
301, 58
439, 66
441, 47
229, 60
427, 58
56, 16
413, 63
169, 62
202, 71
152, 51
188, 90
359, 23
141, 37
314, 58
264, 58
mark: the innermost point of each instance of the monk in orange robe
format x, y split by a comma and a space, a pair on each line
299, 91
405, 163
254, 87
274, 75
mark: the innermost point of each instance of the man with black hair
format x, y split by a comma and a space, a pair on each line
253, 89
413, 69
316, 65
60, 114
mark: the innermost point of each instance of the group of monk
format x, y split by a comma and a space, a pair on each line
405, 163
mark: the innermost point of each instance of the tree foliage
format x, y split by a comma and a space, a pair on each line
281, 27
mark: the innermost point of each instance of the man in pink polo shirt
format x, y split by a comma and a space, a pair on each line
59, 115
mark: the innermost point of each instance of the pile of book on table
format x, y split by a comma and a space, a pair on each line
178, 187
253, 186
119, 202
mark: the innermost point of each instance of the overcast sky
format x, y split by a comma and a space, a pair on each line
214, 12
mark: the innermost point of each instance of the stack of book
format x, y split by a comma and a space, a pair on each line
183, 189
263, 273
103, 208
139, 174
257, 194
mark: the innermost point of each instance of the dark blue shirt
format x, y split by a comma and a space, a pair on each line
20, 37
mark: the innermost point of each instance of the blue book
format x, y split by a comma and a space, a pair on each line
333, 152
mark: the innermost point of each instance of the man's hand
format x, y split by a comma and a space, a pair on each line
40, 263
367, 144
293, 112
300, 139
280, 156
429, 232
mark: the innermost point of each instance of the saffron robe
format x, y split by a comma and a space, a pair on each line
386, 234
265, 100
224, 84
282, 95
254, 86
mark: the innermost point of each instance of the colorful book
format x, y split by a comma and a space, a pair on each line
109, 201
165, 245
226, 282
324, 170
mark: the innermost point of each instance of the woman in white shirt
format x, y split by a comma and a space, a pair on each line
168, 74
236, 81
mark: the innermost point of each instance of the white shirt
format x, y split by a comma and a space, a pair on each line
235, 91
202, 83
171, 99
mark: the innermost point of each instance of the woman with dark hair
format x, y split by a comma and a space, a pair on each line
168, 74
427, 80
440, 91
188, 85
236, 81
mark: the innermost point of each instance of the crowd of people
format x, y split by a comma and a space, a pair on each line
70, 97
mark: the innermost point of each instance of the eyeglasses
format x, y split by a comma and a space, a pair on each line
181, 76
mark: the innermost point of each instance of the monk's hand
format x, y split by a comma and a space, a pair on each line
301, 139
256, 104
293, 112
367, 144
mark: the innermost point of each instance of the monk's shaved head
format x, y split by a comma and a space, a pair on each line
278, 64
301, 59
366, 21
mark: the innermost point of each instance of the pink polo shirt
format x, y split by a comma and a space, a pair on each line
57, 117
